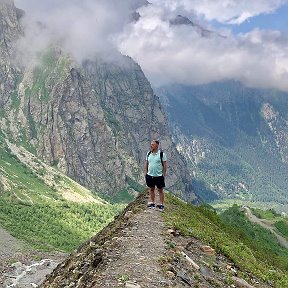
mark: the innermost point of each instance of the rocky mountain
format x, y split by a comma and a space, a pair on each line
182, 20
10, 30
235, 139
93, 121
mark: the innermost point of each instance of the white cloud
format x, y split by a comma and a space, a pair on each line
225, 11
82, 28
167, 54
178, 54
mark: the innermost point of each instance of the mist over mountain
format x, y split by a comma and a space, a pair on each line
200, 54
167, 53
93, 120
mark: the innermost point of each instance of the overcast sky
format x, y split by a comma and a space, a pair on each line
249, 42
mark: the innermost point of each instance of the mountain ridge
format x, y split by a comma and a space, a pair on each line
139, 250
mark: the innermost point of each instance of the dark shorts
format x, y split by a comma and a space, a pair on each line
151, 182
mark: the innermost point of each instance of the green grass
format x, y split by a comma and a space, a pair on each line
62, 225
249, 246
259, 207
50, 63
282, 227
122, 196
22, 178
134, 185
269, 214
112, 121
25, 134
37, 213
260, 240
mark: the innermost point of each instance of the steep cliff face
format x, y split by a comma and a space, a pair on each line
9, 32
278, 126
135, 116
93, 121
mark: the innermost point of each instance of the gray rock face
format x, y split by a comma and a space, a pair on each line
93, 121
135, 116
9, 32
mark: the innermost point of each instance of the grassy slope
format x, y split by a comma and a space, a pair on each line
44, 207
249, 246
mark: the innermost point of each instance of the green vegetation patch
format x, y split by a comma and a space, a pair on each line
61, 226
23, 178
125, 195
261, 241
258, 207
112, 121
44, 74
249, 246
122, 196
269, 214
37, 213
134, 185
2, 113
15, 98
282, 227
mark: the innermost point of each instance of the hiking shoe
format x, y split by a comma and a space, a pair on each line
160, 207
151, 205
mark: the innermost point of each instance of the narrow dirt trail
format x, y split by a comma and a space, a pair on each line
136, 250
263, 223
135, 254
130, 251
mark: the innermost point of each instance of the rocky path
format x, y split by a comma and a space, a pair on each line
134, 256
263, 223
137, 250
147, 254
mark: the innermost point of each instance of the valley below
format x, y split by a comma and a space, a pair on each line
23, 265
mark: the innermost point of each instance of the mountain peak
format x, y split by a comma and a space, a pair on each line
181, 20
